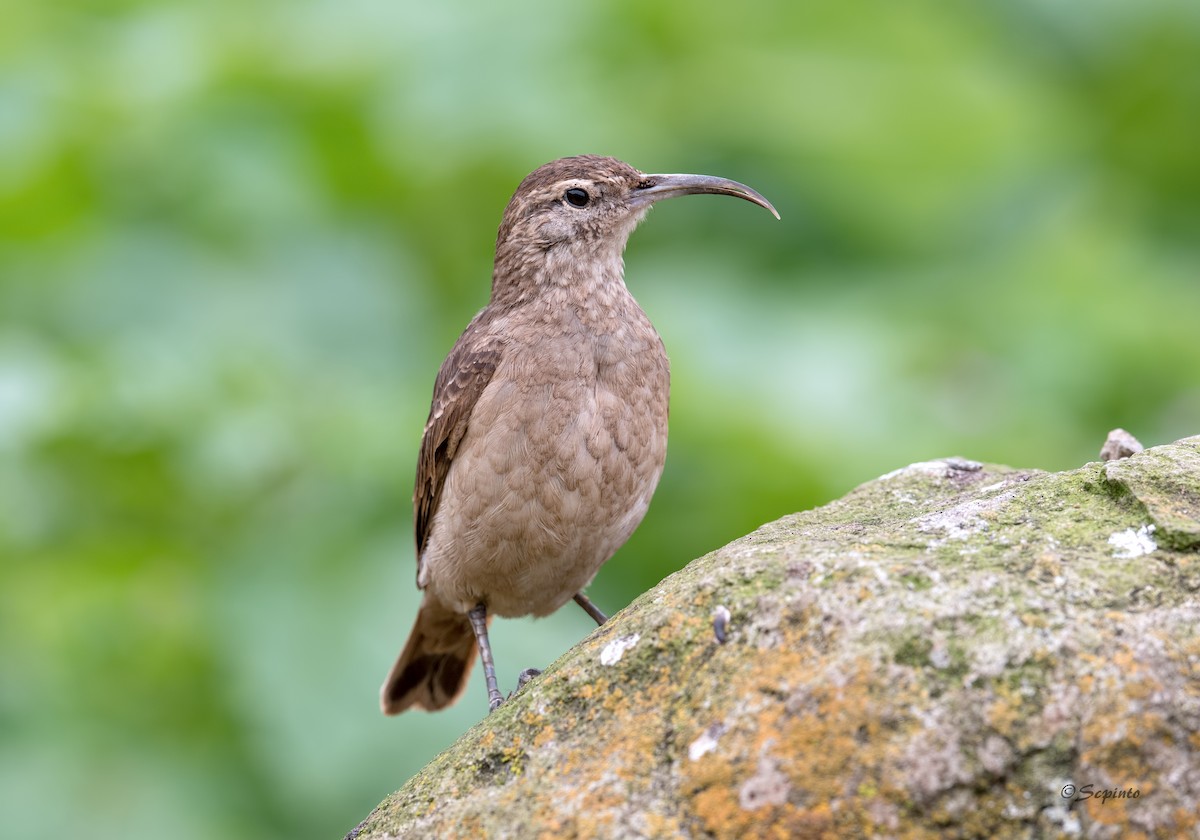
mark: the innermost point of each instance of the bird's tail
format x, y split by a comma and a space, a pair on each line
435, 664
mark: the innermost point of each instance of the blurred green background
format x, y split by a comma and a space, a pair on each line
237, 239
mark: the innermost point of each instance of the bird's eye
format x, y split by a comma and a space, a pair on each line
576, 197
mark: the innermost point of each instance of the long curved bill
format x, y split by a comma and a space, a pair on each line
658, 187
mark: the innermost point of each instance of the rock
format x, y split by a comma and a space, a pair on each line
951, 648
1119, 444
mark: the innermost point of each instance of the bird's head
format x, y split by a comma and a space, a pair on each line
579, 211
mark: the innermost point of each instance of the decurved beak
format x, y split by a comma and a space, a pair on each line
657, 187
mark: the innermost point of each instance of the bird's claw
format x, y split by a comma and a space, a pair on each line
525, 676
523, 679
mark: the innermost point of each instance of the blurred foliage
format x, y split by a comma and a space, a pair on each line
236, 240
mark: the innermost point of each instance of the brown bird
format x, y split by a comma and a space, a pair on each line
548, 428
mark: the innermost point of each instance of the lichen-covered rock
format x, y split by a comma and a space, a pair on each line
951, 649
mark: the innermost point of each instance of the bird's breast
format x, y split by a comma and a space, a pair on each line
598, 406
561, 456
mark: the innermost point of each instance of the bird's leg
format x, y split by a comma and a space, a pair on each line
590, 608
478, 617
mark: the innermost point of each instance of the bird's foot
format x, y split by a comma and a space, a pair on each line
523, 680
525, 676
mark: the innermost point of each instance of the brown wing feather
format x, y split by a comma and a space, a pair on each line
463, 376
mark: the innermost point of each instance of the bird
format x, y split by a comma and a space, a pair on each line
547, 431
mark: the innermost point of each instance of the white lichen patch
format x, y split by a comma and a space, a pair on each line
963, 520
996, 755
919, 468
941, 468
940, 655
706, 743
614, 650
1133, 543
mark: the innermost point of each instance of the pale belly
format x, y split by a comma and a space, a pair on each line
547, 484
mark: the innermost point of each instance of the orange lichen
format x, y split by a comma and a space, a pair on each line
544, 736
661, 825
613, 699
1005, 712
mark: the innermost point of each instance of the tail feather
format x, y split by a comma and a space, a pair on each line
433, 669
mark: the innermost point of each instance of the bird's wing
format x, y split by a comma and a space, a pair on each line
463, 376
